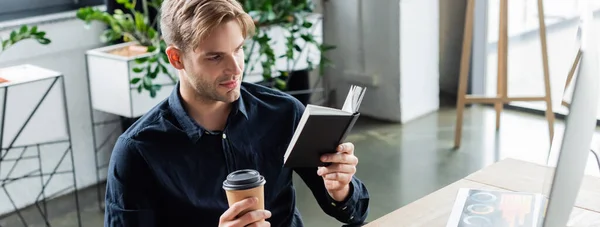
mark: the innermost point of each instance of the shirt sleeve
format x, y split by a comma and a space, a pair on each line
128, 201
353, 210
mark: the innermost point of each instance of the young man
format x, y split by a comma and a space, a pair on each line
168, 168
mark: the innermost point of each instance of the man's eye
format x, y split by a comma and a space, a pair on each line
215, 58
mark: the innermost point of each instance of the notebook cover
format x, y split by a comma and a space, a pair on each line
321, 134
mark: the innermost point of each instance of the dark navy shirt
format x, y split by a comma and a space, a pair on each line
166, 170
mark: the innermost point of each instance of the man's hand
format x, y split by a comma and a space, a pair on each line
256, 218
338, 175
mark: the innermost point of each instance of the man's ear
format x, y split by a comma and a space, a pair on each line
175, 57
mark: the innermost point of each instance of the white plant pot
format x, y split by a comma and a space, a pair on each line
26, 87
110, 88
32, 116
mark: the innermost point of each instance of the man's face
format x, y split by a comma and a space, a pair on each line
214, 70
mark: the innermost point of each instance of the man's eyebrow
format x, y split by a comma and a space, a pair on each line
241, 45
214, 53
219, 52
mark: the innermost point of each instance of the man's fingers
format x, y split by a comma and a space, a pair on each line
260, 224
347, 148
337, 168
333, 185
340, 158
238, 207
252, 217
341, 177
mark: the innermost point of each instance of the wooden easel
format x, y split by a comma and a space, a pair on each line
564, 102
502, 97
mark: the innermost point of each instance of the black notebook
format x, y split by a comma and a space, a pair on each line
321, 130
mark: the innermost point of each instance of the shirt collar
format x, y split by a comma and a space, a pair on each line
189, 125
239, 106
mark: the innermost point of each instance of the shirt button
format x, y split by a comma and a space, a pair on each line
224, 136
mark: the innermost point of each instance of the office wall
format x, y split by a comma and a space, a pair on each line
452, 19
392, 48
419, 58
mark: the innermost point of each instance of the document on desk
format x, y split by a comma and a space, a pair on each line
476, 207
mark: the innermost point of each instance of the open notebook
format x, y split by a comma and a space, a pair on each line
321, 129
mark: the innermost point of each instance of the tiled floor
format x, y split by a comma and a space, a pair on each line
402, 163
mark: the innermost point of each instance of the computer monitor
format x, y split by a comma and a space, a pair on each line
580, 124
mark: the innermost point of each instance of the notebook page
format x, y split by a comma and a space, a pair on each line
348, 102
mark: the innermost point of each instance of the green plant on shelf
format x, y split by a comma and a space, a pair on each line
141, 28
24, 33
292, 17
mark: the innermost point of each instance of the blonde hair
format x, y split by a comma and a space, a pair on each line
186, 23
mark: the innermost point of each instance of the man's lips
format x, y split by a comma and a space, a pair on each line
229, 84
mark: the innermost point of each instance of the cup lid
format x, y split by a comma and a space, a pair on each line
243, 179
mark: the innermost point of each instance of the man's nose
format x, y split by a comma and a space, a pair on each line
234, 67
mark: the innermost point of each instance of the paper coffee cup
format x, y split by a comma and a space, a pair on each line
243, 184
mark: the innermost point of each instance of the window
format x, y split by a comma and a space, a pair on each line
525, 69
16, 9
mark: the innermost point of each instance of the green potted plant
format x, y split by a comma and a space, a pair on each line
134, 61
289, 24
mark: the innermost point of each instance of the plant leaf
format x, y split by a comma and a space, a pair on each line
44, 41
307, 37
135, 80
307, 24
280, 84
164, 57
141, 60
155, 72
326, 47
125, 3
140, 24
137, 70
151, 33
147, 83
109, 35
23, 29
5, 44
163, 69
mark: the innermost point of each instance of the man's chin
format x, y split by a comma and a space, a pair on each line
231, 96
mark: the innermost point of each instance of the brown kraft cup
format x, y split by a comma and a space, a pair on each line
243, 184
